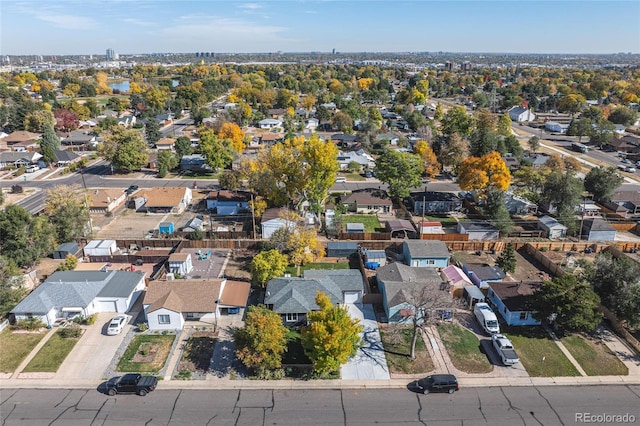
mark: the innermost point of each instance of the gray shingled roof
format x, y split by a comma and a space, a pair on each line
77, 289
423, 249
297, 295
400, 281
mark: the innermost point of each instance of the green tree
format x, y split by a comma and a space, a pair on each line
456, 120
454, 152
68, 211
217, 154
568, 303
563, 190
623, 115
507, 259
125, 149
12, 289
183, 146
263, 340
580, 127
152, 131
602, 133
69, 263
617, 281
230, 179
495, 210
353, 167
332, 336
267, 265
484, 138
167, 161
504, 125
401, 171
36, 120
602, 182
24, 239
534, 143
49, 144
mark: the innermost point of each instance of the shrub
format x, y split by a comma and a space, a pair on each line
72, 332
183, 375
165, 332
91, 319
143, 326
543, 249
266, 374
29, 324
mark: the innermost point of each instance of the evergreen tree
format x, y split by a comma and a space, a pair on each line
49, 144
507, 259
152, 131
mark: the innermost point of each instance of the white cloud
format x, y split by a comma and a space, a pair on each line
250, 6
68, 22
140, 22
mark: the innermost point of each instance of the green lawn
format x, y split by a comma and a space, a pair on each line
539, 355
594, 356
352, 177
445, 221
147, 353
320, 265
397, 347
464, 349
52, 354
370, 221
295, 353
15, 348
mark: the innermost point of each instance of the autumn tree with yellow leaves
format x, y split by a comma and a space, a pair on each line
485, 173
429, 158
233, 134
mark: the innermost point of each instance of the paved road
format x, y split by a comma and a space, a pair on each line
555, 405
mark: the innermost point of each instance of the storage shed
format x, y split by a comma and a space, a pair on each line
378, 256
355, 228
341, 248
166, 228
65, 249
180, 263
552, 227
100, 248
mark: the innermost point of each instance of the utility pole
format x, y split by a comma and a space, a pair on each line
253, 216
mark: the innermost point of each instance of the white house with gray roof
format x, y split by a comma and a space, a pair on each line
69, 293
293, 298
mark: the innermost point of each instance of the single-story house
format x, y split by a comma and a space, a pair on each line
106, 200
400, 228
482, 274
354, 228
368, 201
555, 127
520, 114
166, 144
513, 301
293, 298
226, 202
18, 159
479, 230
629, 199
424, 253
194, 162
517, 205
596, 229
362, 158
274, 219
67, 294
80, 138
20, 136
180, 263
401, 284
552, 227
430, 227
430, 202
341, 248
392, 138
65, 249
269, 123
65, 158
456, 278
100, 248
25, 146
166, 199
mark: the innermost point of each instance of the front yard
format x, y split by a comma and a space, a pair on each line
370, 221
396, 341
147, 353
464, 349
197, 354
539, 355
15, 348
52, 354
594, 356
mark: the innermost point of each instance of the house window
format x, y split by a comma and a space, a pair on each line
164, 319
431, 262
524, 315
190, 315
504, 309
292, 317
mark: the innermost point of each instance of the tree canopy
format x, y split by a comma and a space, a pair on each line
488, 172
401, 171
125, 149
602, 182
267, 265
24, 239
68, 211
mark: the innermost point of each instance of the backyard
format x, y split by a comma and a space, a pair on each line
539, 355
594, 356
147, 353
464, 349
53, 353
370, 221
15, 347
396, 341
319, 265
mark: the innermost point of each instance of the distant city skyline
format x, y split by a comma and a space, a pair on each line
70, 27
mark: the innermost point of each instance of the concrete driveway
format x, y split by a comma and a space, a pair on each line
369, 363
94, 351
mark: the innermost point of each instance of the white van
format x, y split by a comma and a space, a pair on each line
32, 168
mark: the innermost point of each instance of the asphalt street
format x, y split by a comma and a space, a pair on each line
509, 406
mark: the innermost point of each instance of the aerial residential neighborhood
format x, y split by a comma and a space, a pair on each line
432, 223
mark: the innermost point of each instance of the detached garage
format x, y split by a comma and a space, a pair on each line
64, 250
100, 248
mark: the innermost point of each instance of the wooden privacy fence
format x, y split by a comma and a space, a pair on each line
445, 237
619, 329
370, 236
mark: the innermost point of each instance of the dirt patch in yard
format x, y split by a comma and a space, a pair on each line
239, 265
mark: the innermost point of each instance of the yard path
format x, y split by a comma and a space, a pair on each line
176, 355
33, 353
566, 352
621, 350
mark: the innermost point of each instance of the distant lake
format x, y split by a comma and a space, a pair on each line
123, 86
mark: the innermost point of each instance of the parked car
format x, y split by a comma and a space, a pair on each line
116, 325
505, 349
341, 180
437, 383
132, 383
131, 189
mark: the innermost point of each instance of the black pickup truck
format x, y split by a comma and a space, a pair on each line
132, 383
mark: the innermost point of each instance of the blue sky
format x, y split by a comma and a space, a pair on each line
62, 27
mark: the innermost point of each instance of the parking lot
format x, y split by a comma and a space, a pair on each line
130, 224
